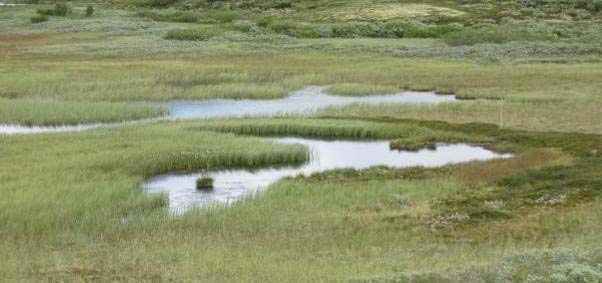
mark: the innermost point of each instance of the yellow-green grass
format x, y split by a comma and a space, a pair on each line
564, 116
85, 166
355, 89
73, 207
404, 134
363, 43
361, 10
367, 12
538, 96
41, 112
107, 64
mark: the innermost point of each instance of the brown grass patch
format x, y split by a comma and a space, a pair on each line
502, 168
8, 38
10, 43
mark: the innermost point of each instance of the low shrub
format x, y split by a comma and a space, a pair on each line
304, 30
242, 26
264, 22
545, 266
282, 5
597, 4
221, 16
357, 29
208, 17
38, 19
45, 12
263, 5
61, 10
428, 31
496, 35
189, 34
342, 30
184, 17
394, 29
158, 3
181, 17
89, 11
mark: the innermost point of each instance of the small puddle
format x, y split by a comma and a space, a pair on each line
231, 185
305, 101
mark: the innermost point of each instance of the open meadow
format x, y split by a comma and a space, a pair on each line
97, 99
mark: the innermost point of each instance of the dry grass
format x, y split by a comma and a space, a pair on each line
393, 11
503, 168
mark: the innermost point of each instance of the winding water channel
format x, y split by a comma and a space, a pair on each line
304, 101
232, 185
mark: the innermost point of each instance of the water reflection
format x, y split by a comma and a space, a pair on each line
230, 185
18, 129
304, 101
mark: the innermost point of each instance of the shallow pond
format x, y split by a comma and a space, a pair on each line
231, 185
304, 101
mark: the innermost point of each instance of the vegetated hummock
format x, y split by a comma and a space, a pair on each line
204, 183
73, 209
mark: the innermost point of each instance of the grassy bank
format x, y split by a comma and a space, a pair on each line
39, 112
383, 220
537, 96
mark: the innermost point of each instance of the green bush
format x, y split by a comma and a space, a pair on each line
264, 22
61, 9
184, 17
394, 29
38, 19
189, 34
279, 27
282, 5
262, 4
496, 35
158, 3
208, 17
220, 16
46, 12
242, 26
89, 11
343, 30
303, 30
428, 31
357, 29
597, 4
179, 16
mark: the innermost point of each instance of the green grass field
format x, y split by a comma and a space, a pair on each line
72, 206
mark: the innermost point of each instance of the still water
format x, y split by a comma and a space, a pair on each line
304, 101
231, 185
18, 129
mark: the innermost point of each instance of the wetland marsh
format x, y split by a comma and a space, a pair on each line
323, 134
233, 185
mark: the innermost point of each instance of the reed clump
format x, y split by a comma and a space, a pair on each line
204, 184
